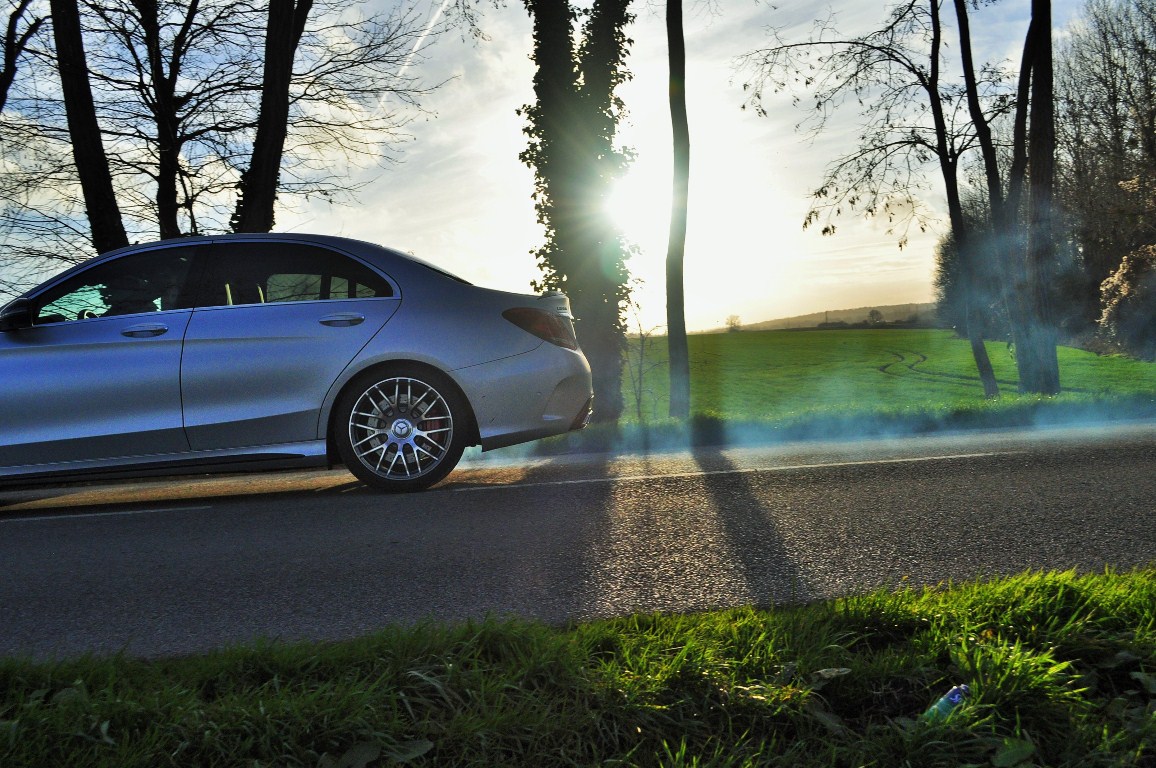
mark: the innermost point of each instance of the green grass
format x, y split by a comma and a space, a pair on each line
776, 385
1062, 669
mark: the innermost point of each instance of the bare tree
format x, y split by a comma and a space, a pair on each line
641, 363
1024, 257
21, 29
258, 185
913, 117
349, 94
20, 226
204, 90
184, 102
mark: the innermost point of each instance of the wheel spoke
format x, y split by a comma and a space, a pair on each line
381, 447
380, 407
372, 425
413, 405
392, 463
417, 448
384, 453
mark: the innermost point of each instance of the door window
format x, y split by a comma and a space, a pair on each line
266, 273
141, 282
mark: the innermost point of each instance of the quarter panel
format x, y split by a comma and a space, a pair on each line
444, 324
453, 325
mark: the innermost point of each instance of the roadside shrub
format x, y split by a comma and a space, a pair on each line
1128, 301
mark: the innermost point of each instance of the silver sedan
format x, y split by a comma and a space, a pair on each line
260, 351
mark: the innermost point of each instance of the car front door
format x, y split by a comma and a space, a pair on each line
96, 375
276, 325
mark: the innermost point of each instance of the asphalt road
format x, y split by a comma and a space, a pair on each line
180, 566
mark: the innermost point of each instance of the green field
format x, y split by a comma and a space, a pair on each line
852, 383
781, 375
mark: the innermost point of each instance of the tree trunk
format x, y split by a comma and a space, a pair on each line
679, 358
164, 109
1014, 234
1039, 366
87, 146
255, 207
600, 250
978, 119
965, 243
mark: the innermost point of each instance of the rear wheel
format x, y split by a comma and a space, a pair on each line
400, 430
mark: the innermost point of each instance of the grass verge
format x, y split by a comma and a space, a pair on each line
1062, 669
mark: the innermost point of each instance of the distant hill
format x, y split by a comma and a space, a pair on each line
916, 314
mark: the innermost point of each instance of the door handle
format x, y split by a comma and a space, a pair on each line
145, 330
342, 319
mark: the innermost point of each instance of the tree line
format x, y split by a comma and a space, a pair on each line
1105, 108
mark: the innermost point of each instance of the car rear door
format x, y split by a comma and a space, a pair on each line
97, 375
277, 323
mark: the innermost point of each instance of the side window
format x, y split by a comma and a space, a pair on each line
142, 282
265, 273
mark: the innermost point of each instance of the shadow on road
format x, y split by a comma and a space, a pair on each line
754, 532
591, 544
553, 520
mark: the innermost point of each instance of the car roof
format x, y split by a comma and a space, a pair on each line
361, 249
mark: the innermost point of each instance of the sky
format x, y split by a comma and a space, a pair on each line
458, 195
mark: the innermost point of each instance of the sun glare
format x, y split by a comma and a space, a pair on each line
639, 206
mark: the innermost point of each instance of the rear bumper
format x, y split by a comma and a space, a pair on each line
582, 420
540, 393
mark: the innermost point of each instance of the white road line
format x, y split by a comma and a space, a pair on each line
742, 471
122, 513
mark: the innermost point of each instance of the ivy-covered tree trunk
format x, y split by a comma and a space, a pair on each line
571, 149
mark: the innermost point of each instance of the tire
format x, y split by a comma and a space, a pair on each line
401, 429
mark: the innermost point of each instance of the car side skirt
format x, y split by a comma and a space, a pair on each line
254, 458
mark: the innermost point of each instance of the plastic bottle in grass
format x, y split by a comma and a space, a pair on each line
947, 703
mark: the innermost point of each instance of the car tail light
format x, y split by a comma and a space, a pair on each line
548, 326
